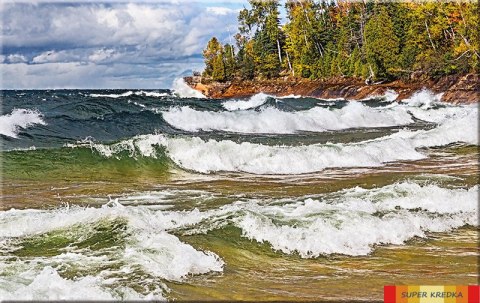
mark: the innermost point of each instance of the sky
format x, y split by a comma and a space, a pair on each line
121, 44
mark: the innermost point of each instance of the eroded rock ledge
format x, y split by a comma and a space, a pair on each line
456, 88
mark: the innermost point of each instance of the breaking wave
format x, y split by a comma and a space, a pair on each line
11, 124
206, 156
354, 221
272, 120
130, 93
148, 246
181, 89
423, 98
254, 101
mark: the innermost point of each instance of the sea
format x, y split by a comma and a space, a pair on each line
168, 195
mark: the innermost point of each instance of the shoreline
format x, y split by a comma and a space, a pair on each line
456, 89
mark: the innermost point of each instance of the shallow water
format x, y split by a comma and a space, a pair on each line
150, 195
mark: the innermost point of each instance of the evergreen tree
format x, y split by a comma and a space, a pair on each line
229, 59
218, 73
382, 45
210, 54
368, 39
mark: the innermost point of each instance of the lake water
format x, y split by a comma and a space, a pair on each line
130, 194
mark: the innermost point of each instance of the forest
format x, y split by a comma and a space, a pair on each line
371, 40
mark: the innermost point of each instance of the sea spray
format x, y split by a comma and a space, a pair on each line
254, 101
131, 93
274, 121
207, 156
11, 124
147, 246
181, 89
423, 98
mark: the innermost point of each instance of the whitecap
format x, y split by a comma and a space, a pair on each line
181, 89
272, 120
353, 222
11, 124
350, 222
254, 101
148, 246
206, 156
423, 98
130, 93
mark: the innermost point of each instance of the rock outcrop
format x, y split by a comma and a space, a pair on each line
455, 88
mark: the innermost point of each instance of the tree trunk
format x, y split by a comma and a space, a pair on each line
430, 37
279, 51
290, 65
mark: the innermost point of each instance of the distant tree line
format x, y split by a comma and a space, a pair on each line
372, 40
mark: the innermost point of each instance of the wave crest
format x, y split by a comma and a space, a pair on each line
360, 219
181, 89
11, 124
148, 247
254, 101
130, 93
272, 120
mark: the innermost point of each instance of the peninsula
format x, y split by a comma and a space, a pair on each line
348, 50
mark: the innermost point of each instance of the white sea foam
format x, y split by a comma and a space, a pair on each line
211, 156
272, 120
291, 96
352, 222
148, 246
181, 89
130, 93
11, 124
423, 98
462, 128
147, 232
440, 114
114, 96
155, 94
390, 95
207, 156
254, 101
47, 284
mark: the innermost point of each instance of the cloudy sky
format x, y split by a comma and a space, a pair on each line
118, 44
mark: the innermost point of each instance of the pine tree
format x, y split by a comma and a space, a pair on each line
229, 60
368, 39
382, 45
210, 54
218, 73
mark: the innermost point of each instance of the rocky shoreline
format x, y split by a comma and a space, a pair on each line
455, 88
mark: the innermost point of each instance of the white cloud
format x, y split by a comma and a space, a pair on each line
103, 55
16, 58
91, 75
220, 10
57, 56
84, 37
158, 26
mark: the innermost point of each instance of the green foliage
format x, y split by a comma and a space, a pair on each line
229, 60
218, 73
368, 39
382, 45
210, 54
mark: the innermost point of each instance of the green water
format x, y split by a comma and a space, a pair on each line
132, 214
